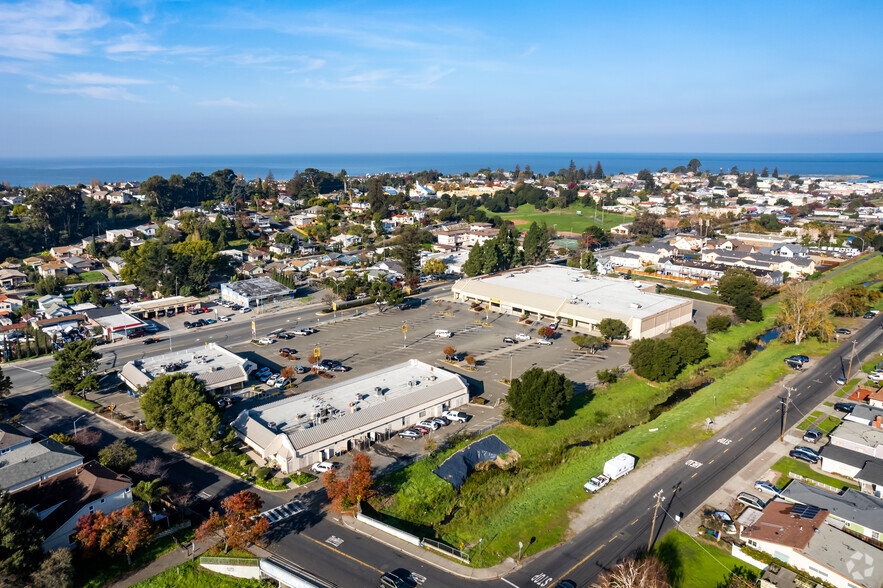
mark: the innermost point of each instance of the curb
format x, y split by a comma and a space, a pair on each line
235, 477
95, 414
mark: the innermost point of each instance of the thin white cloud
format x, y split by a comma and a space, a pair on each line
141, 46
98, 92
41, 29
272, 60
368, 78
426, 78
100, 79
225, 102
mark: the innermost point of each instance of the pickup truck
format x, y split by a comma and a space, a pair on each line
596, 483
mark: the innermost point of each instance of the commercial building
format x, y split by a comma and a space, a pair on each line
254, 292
575, 297
220, 369
308, 428
161, 306
113, 321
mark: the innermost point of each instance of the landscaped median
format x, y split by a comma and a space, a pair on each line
535, 499
242, 466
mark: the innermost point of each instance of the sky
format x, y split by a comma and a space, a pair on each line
118, 77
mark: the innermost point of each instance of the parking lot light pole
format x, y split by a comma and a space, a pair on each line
75, 423
510, 368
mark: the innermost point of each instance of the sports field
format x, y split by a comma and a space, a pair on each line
573, 219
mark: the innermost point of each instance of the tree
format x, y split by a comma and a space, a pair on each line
717, 323
853, 300
689, 343
346, 493
649, 572
736, 288
287, 372
5, 385
647, 223
434, 267
118, 456
180, 404
449, 351
536, 243
539, 398
122, 531
474, 263
613, 329
694, 165
599, 172
239, 525
73, 363
150, 492
587, 262
20, 548
546, 332
748, 308
588, 342
56, 571
805, 315
655, 359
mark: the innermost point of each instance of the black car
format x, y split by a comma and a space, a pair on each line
843, 331
844, 406
390, 580
869, 315
285, 336
509, 340
411, 303
236, 307
150, 340
201, 323
188, 325
805, 454
329, 363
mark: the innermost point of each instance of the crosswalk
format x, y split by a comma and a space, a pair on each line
280, 513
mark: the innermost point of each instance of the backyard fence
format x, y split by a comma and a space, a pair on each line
816, 483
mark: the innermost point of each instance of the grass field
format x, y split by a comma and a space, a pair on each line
92, 277
829, 424
566, 219
696, 564
192, 575
845, 390
87, 404
788, 464
804, 425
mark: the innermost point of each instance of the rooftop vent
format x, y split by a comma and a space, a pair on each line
378, 391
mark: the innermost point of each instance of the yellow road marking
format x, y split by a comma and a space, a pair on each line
693, 476
727, 449
611, 539
768, 418
634, 521
754, 428
740, 438
711, 462
323, 544
799, 393
582, 561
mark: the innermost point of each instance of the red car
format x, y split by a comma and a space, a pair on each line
423, 430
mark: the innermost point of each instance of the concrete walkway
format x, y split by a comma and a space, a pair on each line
176, 557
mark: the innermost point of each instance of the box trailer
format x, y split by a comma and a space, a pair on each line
619, 466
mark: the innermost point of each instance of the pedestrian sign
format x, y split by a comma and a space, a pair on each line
404, 327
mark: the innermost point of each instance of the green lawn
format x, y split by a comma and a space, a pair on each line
97, 572
694, 564
788, 464
856, 274
845, 390
566, 219
804, 425
192, 575
87, 404
92, 277
301, 478
231, 461
869, 365
829, 424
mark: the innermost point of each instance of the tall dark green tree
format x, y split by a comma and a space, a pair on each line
690, 344
74, 363
599, 172
21, 547
536, 244
539, 398
180, 404
694, 165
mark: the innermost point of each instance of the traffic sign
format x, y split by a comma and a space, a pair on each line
404, 327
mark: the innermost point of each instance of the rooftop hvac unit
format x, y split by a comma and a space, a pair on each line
635, 305
433, 378
378, 391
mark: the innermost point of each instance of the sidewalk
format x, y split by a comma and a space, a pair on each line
176, 557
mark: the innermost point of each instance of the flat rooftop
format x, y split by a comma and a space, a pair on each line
258, 287
395, 382
213, 364
572, 287
847, 555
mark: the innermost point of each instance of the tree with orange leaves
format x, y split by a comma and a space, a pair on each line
345, 493
122, 531
238, 525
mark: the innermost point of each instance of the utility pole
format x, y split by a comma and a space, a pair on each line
658, 497
851, 356
785, 415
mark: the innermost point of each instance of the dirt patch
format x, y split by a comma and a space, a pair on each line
518, 221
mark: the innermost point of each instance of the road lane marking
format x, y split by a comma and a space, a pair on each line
740, 438
611, 539
508, 582
768, 418
799, 393
326, 546
754, 428
711, 462
694, 475
583, 560
27, 370
727, 449
635, 521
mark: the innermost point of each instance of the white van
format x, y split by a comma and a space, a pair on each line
443, 333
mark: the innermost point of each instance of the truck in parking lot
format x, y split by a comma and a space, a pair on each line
596, 483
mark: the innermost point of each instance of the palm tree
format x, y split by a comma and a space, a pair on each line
150, 492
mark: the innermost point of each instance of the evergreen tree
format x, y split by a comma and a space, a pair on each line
474, 262
599, 172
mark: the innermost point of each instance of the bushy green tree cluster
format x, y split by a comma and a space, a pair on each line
502, 253
660, 360
180, 404
737, 287
539, 398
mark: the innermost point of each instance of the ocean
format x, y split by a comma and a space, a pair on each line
74, 170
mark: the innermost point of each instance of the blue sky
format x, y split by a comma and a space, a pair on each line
136, 77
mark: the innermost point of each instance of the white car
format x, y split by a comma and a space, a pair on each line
875, 376
245, 309
429, 425
321, 468
443, 333
544, 342
522, 337
271, 381
456, 415
281, 383
267, 341
224, 318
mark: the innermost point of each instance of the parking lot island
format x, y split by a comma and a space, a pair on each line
299, 431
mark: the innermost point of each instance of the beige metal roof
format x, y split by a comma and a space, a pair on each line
170, 302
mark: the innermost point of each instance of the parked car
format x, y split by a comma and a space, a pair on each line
285, 336
200, 323
421, 429
522, 337
726, 520
224, 402
456, 415
805, 454
390, 580
325, 466
813, 436
875, 376
281, 383
794, 364
800, 358
441, 420
245, 309
410, 434
565, 584
509, 340
840, 381
267, 341
751, 500
844, 406
869, 315
236, 307
271, 380
544, 341
188, 325
443, 333
263, 371
429, 425
286, 350
329, 363
340, 368
767, 487
299, 369
265, 377
209, 321
224, 318
843, 331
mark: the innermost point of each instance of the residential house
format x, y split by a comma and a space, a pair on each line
111, 235
66, 251
281, 248
53, 268
47, 299
51, 311
625, 260
10, 303
262, 221
346, 241
257, 255
173, 223
32, 463
875, 398
34, 261
647, 255
304, 265
147, 229
12, 439
234, 254
799, 537
10, 278
622, 229
119, 197
76, 264
870, 416
859, 513
858, 437
60, 501
249, 270
185, 209
866, 470
116, 263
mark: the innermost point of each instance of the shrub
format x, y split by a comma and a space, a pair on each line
261, 473
607, 376
717, 323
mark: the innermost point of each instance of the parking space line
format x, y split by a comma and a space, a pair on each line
325, 545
